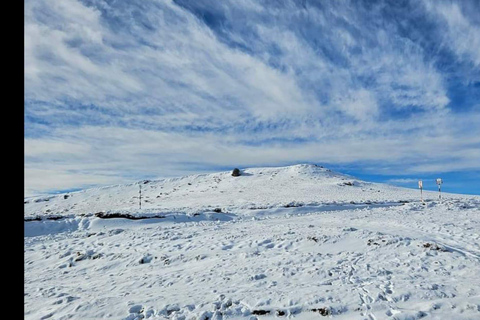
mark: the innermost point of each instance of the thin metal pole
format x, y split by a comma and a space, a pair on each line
140, 197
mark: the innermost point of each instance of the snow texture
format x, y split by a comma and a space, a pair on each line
293, 242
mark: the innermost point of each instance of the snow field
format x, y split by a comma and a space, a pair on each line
408, 261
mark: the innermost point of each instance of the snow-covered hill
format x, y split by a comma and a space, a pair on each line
256, 188
296, 242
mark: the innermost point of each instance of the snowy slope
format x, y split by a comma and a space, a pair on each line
296, 242
256, 188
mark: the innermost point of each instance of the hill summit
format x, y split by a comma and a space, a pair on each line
265, 187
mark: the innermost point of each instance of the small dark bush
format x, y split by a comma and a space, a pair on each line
260, 312
236, 172
432, 246
323, 311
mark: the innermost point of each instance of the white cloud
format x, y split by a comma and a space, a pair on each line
461, 36
41, 147
124, 153
194, 73
360, 104
38, 181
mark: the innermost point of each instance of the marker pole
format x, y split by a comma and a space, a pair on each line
140, 197
439, 184
420, 186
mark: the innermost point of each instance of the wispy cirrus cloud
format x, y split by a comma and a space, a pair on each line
460, 27
136, 89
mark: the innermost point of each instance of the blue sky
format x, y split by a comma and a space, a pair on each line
117, 91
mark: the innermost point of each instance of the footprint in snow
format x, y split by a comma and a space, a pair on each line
258, 277
145, 259
138, 312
